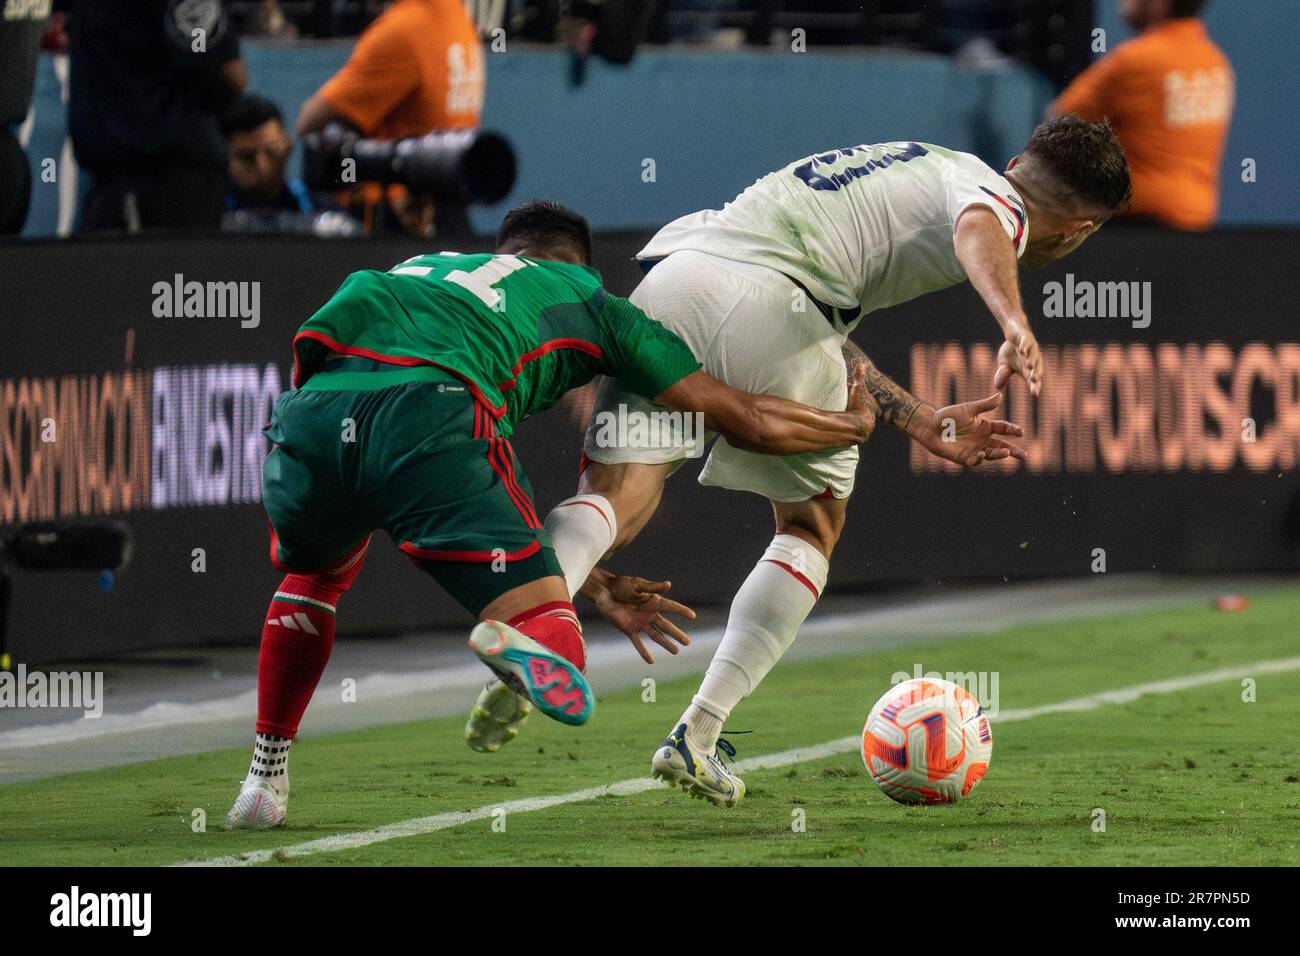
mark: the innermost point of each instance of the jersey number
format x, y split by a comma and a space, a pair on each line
816, 173
479, 281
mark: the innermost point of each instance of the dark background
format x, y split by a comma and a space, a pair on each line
67, 306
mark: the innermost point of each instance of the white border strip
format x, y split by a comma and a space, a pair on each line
443, 821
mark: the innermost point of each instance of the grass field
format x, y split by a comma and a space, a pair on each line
1195, 776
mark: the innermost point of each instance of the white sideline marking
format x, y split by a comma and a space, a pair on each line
165, 715
443, 821
984, 612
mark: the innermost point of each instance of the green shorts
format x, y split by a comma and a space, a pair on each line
364, 446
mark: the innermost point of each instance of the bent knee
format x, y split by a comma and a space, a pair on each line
819, 521
633, 491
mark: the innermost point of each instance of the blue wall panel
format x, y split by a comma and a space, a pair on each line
713, 122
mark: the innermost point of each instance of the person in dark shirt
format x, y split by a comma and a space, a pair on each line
259, 150
260, 198
149, 81
21, 26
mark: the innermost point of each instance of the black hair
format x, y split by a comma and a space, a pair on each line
540, 220
1186, 8
1084, 157
248, 112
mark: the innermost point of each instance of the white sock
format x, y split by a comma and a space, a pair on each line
765, 617
270, 760
582, 529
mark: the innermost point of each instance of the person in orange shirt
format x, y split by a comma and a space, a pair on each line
1168, 95
416, 69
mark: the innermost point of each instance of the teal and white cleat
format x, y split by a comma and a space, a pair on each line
700, 774
551, 683
495, 718
260, 805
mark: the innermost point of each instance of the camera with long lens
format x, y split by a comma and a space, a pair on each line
458, 167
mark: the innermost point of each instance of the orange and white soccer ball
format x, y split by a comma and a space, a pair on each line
927, 741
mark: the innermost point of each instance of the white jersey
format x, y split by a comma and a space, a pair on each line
860, 228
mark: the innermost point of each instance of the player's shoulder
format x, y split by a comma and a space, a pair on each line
831, 171
571, 270
956, 164
867, 156
583, 281
968, 170
460, 260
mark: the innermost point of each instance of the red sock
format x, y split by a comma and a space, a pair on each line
297, 638
555, 626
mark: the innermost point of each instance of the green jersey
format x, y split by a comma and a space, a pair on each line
519, 332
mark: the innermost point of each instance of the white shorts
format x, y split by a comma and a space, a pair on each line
750, 329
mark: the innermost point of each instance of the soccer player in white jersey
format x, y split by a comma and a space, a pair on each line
765, 292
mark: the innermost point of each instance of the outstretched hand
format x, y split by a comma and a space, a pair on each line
1019, 355
637, 607
961, 433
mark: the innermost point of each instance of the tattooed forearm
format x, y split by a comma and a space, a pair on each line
897, 405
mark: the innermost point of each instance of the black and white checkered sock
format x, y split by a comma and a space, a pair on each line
270, 758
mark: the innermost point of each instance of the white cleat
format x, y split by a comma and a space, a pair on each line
699, 774
495, 718
260, 805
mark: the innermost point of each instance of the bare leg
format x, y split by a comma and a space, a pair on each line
582, 531
633, 489
613, 504
518, 600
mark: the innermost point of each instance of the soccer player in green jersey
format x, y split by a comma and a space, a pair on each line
409, 384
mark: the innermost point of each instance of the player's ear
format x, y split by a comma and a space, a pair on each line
1080, 229
1012, 165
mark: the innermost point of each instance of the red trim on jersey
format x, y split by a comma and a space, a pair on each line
499, 461
501, 458
474, 557
1020, 219
341, 565
407, 361
497, 411
579, 345
801, 579
275, 561
508, 454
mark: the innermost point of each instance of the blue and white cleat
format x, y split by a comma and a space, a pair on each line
551, 683
495, 718
700, 774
